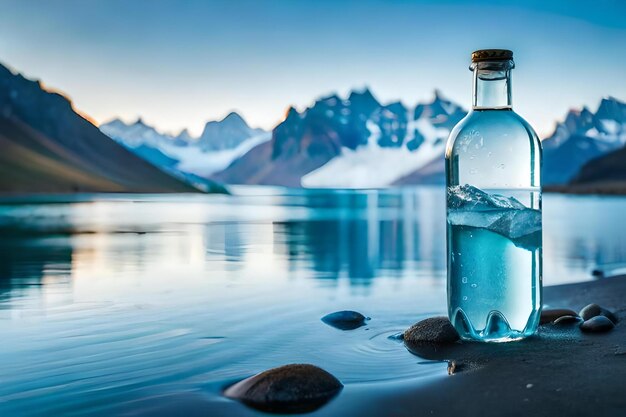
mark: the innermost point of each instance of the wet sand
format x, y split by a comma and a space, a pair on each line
560, 372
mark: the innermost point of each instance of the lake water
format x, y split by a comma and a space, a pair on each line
147, 305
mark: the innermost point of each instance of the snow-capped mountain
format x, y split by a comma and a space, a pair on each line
228, 133
136, 134
357, 142
397, 146
351, 142
183, 153
581, 137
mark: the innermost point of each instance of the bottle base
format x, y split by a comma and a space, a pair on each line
496, 330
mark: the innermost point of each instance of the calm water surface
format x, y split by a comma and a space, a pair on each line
140, 305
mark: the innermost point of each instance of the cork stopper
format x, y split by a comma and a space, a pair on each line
492, 55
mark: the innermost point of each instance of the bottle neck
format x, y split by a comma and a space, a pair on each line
492, 85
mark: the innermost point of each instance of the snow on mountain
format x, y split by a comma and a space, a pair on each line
352, 142
380, 163
134, 134
190, 155
581, 137
374, 166
195, 160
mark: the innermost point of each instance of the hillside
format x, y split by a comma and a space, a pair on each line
48, 147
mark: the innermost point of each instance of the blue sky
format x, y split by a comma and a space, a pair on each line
178, 63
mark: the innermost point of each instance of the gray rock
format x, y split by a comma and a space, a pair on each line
433, 330
567, 320
551, 314
296, 388
593, 310
345, 320
597, 324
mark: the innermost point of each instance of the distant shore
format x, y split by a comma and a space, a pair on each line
602, 188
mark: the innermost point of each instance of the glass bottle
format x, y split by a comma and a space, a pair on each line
493, 180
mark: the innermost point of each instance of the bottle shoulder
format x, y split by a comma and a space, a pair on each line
491, 125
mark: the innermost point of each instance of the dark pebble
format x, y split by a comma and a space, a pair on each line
433, 330
551, 314
597, 273
567, 320
345, 320
297, 388
597, 324
593, 310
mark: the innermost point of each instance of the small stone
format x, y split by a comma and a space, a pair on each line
454, 367
345, 320
597, 273
398, 337
296, 388
551, 314
597, 324
593, 310
434, 330
567, 320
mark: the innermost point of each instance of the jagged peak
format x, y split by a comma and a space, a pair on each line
184, 135
612, 99
116, 121
291, 113
232, 116
364, 92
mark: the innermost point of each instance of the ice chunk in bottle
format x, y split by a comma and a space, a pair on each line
493, 180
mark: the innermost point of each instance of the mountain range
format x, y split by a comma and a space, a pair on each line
194, 158
582, 137
357, 142
353, 141
48, 147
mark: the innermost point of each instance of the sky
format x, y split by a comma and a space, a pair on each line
179, 63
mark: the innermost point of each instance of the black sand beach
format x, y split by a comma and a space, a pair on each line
560, 372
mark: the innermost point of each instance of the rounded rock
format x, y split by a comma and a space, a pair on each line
597, 324
597, 273
551, 314
567, 320
594, 310
345, 320
433, 330
295, 388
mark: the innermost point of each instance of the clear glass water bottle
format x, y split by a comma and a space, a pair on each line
493, 179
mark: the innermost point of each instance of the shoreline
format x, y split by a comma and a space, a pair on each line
603, 189
561, 371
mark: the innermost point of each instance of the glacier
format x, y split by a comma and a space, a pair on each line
374, 166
